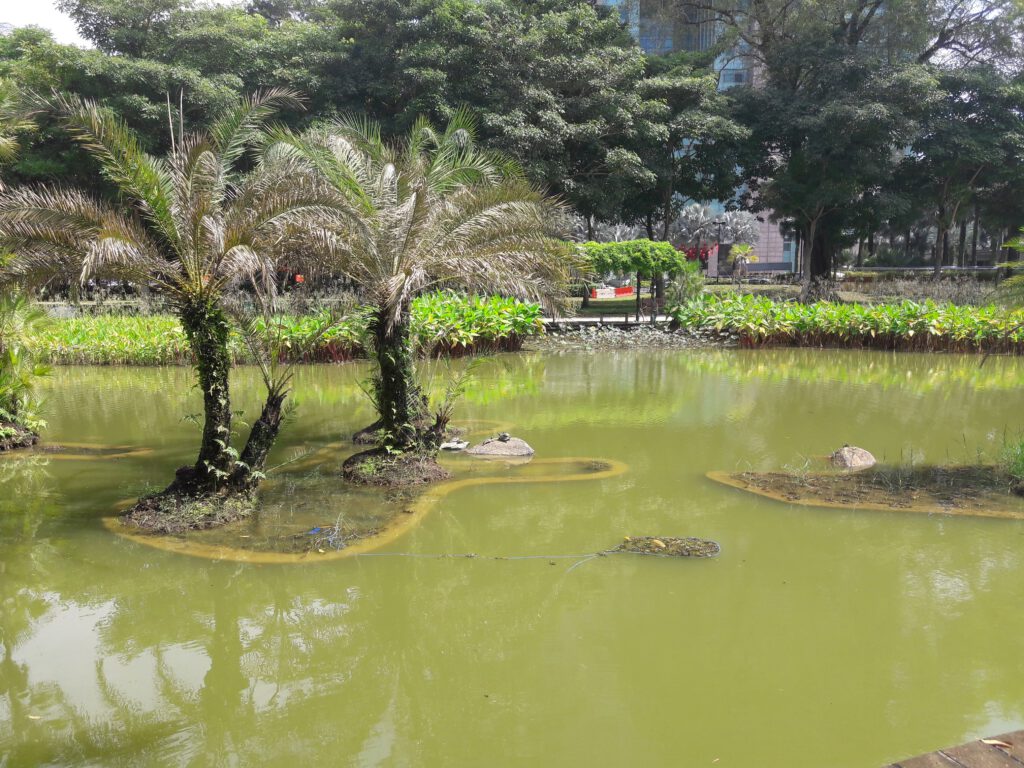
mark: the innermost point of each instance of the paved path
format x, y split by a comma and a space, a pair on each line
1005, 751
616, 321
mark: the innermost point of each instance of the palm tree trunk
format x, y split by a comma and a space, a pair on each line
396, 388
249, 469
206, 327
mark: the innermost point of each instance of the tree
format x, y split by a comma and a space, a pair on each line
819, 151
646, 259
868, 62
19, 420
555, 85
432, 210
189, 225
122, 26
970, 135
200, 58
687, 143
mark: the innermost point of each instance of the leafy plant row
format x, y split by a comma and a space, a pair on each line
442, 323
909, 325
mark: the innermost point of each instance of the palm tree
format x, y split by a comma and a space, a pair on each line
192, 227
430, 211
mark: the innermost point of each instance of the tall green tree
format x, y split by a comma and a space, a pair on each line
968, 138
817, 152
686, 141
554, 85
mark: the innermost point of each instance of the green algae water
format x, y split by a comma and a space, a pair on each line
819, 637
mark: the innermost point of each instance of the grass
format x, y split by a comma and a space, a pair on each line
1011, 459
908, 325
442, 323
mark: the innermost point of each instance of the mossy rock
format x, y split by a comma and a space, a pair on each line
381, 468
14, 436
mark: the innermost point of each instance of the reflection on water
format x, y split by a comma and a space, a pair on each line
846, 638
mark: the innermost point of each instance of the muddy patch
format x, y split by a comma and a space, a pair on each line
977, 490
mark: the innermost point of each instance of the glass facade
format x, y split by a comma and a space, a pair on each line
661, 27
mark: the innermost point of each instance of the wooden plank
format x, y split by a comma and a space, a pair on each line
979, 755
931, 760
1016, 742
976, 754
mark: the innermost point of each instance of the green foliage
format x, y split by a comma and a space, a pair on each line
445, 323
648, 258
14, 120
688, 285
441, 323
19, 322
1012, 460
908, 325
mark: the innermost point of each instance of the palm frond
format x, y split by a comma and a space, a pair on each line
142, 177
238, 128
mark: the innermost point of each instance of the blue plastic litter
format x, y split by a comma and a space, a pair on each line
312, 531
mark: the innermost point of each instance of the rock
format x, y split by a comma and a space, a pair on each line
455, 445
509, 446
851, 457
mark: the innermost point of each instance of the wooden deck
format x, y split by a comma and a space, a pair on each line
1005, 751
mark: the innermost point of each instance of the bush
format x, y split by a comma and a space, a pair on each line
908, 325
442, 323
688, 285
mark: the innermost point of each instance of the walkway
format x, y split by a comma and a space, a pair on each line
1005, 751
610, 321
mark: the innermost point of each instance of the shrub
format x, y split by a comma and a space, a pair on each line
908, 325
442, 323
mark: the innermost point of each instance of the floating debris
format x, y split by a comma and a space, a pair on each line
669, 546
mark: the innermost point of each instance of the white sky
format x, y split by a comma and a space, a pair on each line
41, 13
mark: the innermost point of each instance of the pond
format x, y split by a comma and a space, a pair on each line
818, 637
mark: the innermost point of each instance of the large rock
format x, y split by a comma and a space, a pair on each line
851, 457
502, 446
